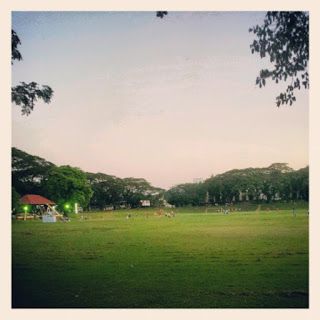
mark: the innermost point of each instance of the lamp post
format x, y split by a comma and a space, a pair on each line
25, 208
67, 208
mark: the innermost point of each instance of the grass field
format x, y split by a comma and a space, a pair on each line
256, 259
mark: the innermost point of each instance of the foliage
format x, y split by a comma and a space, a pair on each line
26, 94
15, 200
107, 190
276, 182
284, 38
66, 184
112, 191
31, 174
28, 172
15, 41
161, 14
136, 189
299, 187
187, 194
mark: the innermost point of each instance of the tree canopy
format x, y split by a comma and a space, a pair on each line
32, 174
66, 184
28, 172
113, 191
136, 189
284, 39
276, 182
107, 190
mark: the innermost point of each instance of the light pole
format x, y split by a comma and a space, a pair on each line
67, 207
25, 208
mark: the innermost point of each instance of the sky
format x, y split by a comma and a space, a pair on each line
169, 100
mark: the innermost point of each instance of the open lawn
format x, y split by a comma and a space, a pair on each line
255, 259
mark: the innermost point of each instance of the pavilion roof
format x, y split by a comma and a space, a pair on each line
35, 199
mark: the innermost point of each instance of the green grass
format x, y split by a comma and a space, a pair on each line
195, 260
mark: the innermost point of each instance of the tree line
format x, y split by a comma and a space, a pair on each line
273, 183
66, 184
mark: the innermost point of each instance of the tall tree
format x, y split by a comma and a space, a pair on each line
66, 184
284, 39
136, 189
107, 190
28, 172
193, 194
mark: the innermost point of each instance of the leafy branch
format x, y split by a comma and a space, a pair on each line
26, 94
284, 38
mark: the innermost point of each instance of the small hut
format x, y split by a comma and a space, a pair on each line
44, 205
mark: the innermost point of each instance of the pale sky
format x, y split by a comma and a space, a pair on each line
168, 100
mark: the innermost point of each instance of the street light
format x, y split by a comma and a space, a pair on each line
66, 209
25, 208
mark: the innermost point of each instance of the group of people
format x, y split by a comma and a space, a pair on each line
159, 212
226, 211
170, 214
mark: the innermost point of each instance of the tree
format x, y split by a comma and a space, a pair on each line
28, 172
136, 189
32, 174
304, 183
299, 184
177, 196
66, 184
110, 190
278, 181
187, 194
26, 94
284, 38
107, 190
